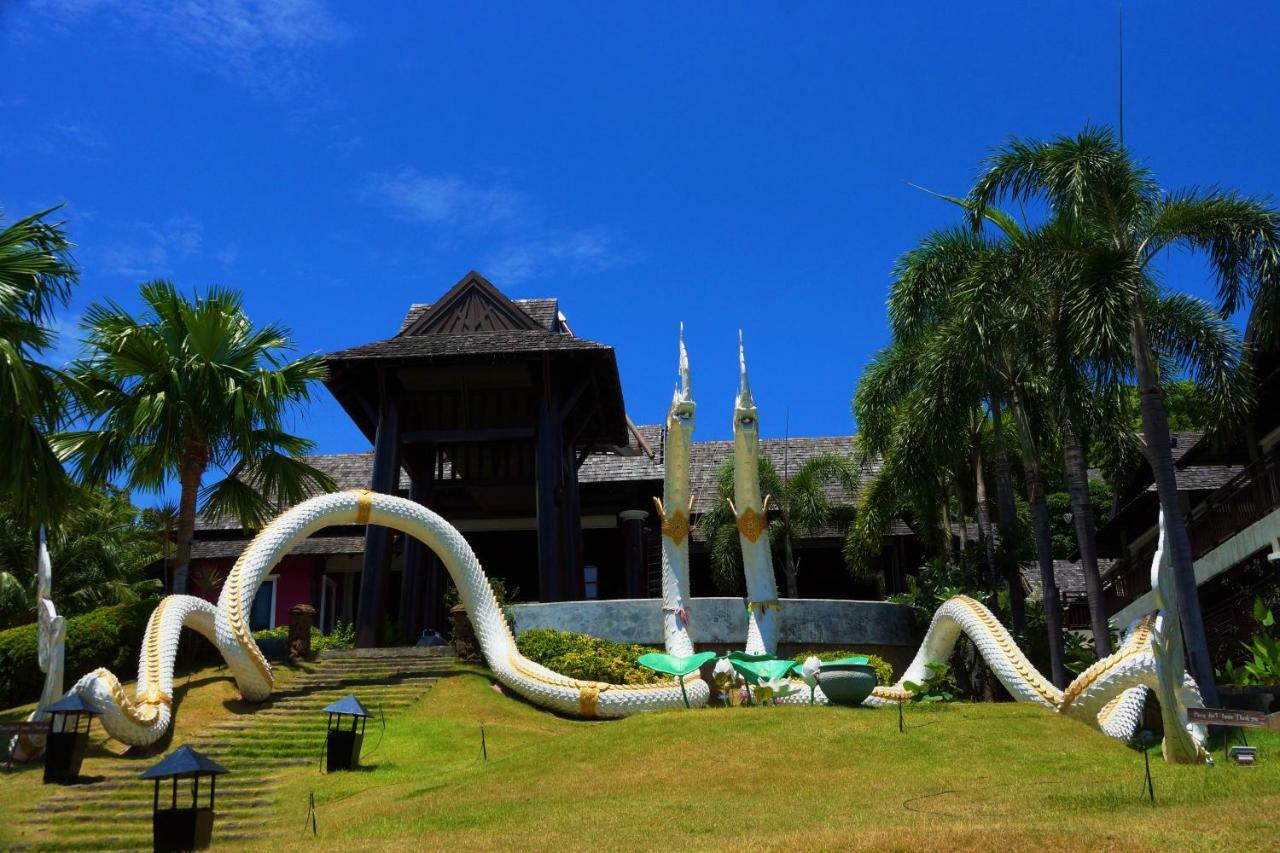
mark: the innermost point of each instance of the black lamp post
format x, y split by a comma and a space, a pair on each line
183, 827
343, 744
66, 741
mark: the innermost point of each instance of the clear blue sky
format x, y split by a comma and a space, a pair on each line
728, 164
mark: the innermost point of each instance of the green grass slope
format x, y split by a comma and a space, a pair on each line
962, 777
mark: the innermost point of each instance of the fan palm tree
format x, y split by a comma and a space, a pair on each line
193, 385
37, 274
803, 506
1118, 222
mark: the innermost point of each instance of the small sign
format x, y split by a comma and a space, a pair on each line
1228, 717
9, 729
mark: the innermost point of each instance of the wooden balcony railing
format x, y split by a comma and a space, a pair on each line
1246, 498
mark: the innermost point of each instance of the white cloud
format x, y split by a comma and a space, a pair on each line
575, 252
155, 249
257, 42
444, 199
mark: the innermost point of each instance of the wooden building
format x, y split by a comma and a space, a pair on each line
491, 412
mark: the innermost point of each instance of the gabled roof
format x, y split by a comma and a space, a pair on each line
470, 306
348, 705
545, 312
182, 762
70, 704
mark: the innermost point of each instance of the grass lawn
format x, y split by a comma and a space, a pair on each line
963, 776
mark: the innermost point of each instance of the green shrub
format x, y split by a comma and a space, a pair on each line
884, 669
108, 637
587, 658
343, 636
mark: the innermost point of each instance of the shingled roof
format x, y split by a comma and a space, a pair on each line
1069, 576
545, 312
211, 549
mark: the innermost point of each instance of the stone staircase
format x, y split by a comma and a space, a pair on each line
113, 812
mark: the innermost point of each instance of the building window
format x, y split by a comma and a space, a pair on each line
262, 614
590, 582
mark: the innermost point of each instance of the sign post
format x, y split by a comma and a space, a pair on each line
1235, 719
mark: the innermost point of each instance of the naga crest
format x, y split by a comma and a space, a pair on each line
680, 415
744, 407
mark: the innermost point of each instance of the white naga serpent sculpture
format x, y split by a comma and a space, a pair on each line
1109, 695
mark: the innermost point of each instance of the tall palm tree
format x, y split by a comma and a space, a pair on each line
189, 386
803, 506
1118, 222
37, 274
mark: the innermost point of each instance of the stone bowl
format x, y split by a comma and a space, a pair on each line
847, 684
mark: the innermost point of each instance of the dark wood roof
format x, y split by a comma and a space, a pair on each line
213, 549
544, 312
466, 346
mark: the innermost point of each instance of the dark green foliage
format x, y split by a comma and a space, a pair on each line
1061, 523
588, 658
98, 550
1262, 666
343, 636
1080, 651
884, 669
940, 579
108, 637
938, 686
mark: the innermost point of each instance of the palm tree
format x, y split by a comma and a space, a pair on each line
37, 274
803, 506
1118, 222
189, 386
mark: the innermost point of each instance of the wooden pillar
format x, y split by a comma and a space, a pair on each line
633, 567
377, 539
412, 581
549, 470
571, 529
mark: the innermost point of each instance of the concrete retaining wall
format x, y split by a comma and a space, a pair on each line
721, 624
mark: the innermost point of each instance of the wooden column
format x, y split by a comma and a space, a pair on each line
633, 568
549, 465
571, 530
377, 539
413, 580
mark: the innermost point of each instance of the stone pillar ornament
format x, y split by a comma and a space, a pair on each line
50, 655
751, 511
673, 509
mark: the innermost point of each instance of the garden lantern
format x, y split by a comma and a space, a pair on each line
66, 741
343, 744
182, 826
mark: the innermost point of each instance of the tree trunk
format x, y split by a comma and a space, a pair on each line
946, 524
963, 527
793, 585
983, 512
1077, 476
1008, 525
1155, 430
190, 472
1044, 545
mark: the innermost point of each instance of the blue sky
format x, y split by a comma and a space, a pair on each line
726, 164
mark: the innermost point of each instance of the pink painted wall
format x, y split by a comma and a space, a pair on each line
294, 586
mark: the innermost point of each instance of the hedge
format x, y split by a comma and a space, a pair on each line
108, 637
343, 636
884, 669
586, 657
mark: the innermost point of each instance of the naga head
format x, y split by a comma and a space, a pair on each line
745, 422
680, 415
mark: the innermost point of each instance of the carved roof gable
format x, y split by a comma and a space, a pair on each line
472, 305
